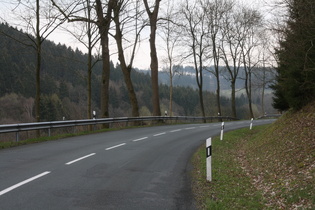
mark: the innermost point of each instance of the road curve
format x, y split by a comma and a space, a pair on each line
143, 168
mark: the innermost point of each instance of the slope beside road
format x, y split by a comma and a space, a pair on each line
143, 168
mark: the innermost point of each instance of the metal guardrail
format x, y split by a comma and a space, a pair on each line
270, 116
16, 128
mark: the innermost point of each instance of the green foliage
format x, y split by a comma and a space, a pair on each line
51, 108
296, 68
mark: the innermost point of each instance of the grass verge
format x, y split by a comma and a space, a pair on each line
230, 188
269, 167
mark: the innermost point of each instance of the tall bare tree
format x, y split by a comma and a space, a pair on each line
103, 21
86, 32
266, 73
195, 29
170, 33
38, 21
92, 40
125, 18
252, 27
215, 11
231, 49
153, 18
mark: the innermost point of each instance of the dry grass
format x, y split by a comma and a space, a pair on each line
281, 161
278, 161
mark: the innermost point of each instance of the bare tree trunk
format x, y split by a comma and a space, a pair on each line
218, 95
250, 96
202, 105
263, 91
38, 66
104, 25
248, 88
127, 77
217, 76
154, 60
89, 88
121, 57
200, 85
199, 79
89, 109
233, 100
171, 87
131, 91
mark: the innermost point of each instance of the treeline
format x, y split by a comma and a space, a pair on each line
203, 33
64, 82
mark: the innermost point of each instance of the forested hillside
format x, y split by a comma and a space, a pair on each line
64, 86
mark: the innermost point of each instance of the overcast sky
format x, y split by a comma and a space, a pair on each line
143, 54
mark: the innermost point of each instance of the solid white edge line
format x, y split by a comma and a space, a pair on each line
140, 139
175, 130
76, 160
23, 183
159, 134
119, 145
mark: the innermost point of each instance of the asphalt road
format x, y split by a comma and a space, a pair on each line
143, 168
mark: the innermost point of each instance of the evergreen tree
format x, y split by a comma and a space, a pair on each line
295, 85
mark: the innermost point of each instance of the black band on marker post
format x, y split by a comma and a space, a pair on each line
209, 151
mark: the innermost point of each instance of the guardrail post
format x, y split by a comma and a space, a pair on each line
17, 136
208, 154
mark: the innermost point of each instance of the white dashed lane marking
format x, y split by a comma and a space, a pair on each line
141, 139
159, 134
113, 147
23, 183
81, 158
175, 130
190, 128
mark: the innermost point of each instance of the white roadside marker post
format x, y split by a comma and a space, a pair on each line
94, 118
222, 129
208, 154
251, 124
94, 115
